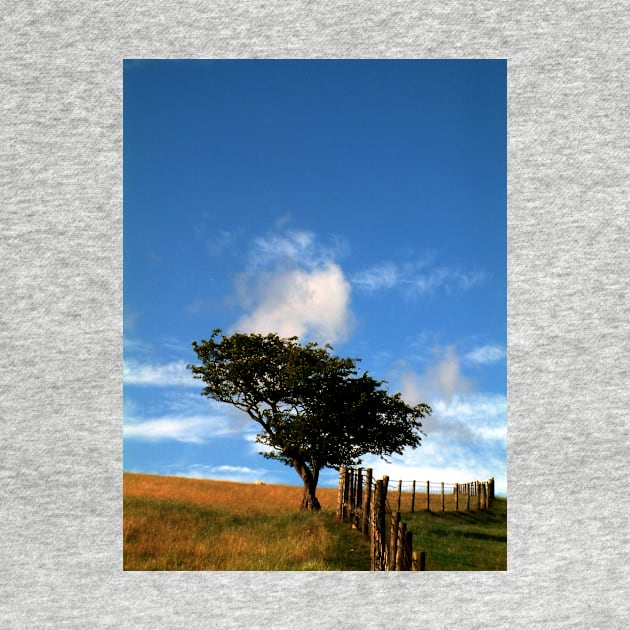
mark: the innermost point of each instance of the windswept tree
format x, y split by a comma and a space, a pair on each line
315, 409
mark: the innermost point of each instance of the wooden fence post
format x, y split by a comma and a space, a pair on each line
442, 492
457, 497
408, 551
413, 495
342, 478
478, 488
351, 495
428, 496
367, 506
378, 527
374, 539
358, 500
382, 524
467, 497
399, 495
400, 556
393, 542
418, 560
346, 493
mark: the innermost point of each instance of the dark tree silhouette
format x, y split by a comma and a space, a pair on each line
315, 409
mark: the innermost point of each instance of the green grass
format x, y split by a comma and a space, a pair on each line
461, 541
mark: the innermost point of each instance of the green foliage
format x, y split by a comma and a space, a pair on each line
314, 408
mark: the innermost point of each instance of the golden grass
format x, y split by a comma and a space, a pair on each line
172, 523
238, 497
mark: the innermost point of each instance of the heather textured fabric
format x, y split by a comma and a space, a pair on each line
61, 316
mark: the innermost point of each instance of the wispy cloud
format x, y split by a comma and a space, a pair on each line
191, 429
415, 279
177, 413
220, 242
486, 354
383, 276
160, 375
217, 242
442, 379
295, 247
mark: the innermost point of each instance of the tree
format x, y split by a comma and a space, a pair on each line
315, 410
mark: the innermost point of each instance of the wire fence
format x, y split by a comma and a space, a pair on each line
413, 496
375, 507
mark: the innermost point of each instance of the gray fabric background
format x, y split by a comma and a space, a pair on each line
61, 326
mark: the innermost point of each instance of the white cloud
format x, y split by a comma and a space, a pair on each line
191, 429
466, 440
486, 354
166, 374
473, 406
294, 287
466, 433
472, 418
428, 463
306, 303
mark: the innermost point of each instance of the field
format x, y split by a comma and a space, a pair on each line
179, 524
462, 541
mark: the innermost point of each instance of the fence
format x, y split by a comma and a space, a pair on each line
364, 502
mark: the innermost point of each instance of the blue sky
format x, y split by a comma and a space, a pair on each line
361, 203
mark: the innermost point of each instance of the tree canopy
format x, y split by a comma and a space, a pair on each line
315, 409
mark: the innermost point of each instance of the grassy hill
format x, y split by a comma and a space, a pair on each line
462, 541
180, 524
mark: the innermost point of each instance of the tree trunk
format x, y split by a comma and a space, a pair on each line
310, 478
309, 500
